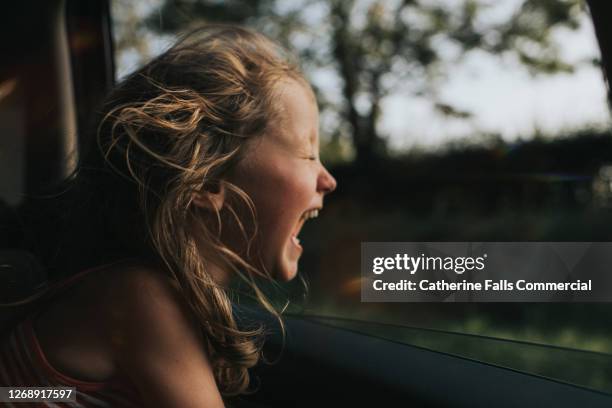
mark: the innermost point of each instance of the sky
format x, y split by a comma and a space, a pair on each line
502, 96
507, 100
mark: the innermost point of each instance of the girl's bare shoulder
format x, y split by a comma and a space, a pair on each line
135, 298
103, 313
144, 297
131, 320
156, 341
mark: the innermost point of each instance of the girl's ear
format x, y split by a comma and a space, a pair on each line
211, 196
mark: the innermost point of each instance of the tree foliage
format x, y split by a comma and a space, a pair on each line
374, 48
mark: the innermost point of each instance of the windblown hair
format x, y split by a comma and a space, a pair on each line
177, 125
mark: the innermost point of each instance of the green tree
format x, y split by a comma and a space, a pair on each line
379, 47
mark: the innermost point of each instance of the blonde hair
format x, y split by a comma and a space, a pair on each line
171, 128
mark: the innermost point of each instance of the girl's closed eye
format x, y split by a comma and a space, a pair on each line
310, 157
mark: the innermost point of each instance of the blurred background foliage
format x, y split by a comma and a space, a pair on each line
372, 48
540, 187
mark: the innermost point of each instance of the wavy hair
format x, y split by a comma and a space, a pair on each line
175, 126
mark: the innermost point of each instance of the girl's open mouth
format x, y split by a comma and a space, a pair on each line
312, 213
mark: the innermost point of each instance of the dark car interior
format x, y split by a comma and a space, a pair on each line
56, 66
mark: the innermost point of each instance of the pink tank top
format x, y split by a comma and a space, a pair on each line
23, 364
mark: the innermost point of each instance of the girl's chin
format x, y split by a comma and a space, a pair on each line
286, 271
287, 276
288, 265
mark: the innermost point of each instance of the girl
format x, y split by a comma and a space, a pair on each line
205, 169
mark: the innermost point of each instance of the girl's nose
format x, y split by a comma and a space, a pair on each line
326, 183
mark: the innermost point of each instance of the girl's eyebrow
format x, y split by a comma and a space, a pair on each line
312, 145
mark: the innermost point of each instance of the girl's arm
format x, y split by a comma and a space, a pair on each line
158, 346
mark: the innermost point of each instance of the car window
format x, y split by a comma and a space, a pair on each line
575, 366
442, 121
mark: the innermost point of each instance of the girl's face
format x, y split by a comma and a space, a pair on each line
284, 177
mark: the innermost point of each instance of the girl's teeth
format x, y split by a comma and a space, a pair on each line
311, 214
296, 240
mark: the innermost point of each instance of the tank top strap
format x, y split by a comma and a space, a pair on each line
53, 288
